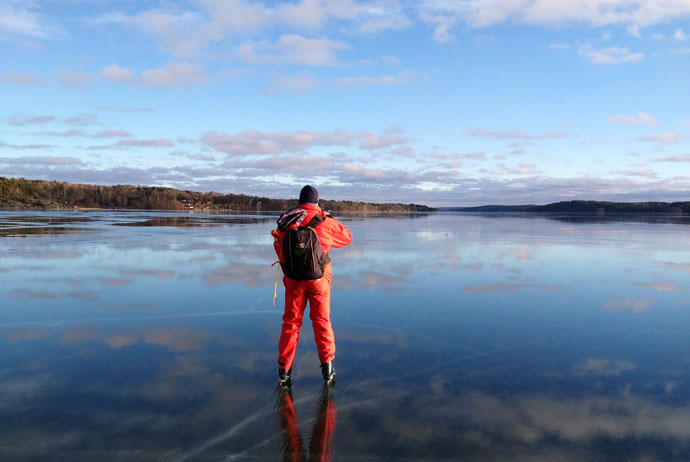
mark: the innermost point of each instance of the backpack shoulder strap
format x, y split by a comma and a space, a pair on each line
314, 222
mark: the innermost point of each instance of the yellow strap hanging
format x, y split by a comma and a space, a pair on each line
275, 288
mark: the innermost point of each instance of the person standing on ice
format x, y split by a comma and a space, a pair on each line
302, 242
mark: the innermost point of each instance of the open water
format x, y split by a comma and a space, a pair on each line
142, 336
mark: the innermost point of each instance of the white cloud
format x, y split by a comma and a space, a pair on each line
609, 55
82, 120
292, 49
75, 78
372, 140
523, 168
174, 75
634, 30
445, 15
679, 158
442, 21
476, 156
178, 31
442, 156
65, 133
391, 60
289, 165
560, 46
383, 80
120, 74
482, 13
250, 142
681, 51
304, 83
22, 119
204, 157
356, 173
20, 19
642, 118
663, 138
153, 143
40, 160
680, 35
637, 173
442, 32
366, 17
382, 24
25, 147
351, 173
113, 134
21, 78
513, 134
295, 83
185, 32
121, 108
305, 13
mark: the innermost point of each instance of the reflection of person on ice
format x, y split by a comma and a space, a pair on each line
321, 441
302, 241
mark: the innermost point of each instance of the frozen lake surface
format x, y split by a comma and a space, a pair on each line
151, 336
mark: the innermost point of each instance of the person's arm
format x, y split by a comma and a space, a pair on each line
339, 234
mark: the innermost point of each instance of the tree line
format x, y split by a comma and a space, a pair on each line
602, 207
42, 194
584, 207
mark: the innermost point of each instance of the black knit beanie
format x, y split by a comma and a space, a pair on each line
308, 194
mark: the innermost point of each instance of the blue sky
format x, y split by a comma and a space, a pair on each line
440, 102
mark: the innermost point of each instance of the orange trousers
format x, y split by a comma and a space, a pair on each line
318, 294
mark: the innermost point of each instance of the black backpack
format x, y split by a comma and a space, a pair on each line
304, 257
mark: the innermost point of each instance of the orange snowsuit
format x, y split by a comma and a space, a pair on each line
331, 234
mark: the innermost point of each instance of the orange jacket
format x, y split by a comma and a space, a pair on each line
331, 232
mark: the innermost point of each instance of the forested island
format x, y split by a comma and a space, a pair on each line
585, 207
20, 193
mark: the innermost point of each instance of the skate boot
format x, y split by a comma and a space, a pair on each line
284, 379
328, 372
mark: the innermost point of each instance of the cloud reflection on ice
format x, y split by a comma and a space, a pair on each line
459, 337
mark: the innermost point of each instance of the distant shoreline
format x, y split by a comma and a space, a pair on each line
23, 194
598, 208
